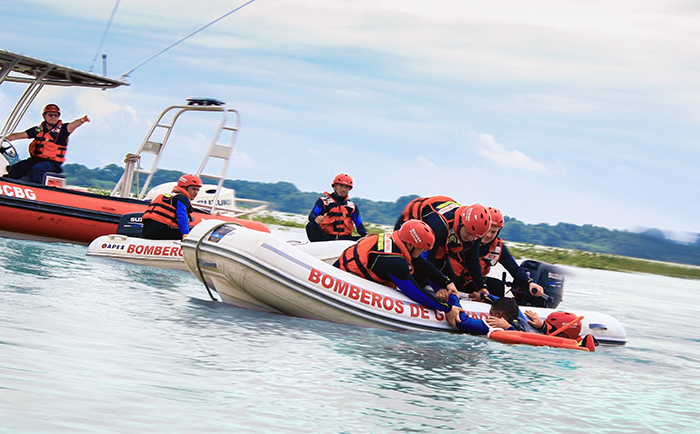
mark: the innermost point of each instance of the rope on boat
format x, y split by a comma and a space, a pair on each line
126, 74
104, 36
196, 254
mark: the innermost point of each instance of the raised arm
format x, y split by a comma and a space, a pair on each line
76, 123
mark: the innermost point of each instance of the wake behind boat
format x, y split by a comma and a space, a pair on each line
263, 271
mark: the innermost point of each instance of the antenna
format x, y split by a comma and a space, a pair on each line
126, 74
104, 36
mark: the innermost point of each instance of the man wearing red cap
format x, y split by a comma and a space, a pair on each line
47, 151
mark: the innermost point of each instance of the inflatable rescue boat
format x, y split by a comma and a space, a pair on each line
262, 271
141, 251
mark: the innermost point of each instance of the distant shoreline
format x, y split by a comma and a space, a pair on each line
551, 255
601, 261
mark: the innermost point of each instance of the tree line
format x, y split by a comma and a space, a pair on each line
285, 197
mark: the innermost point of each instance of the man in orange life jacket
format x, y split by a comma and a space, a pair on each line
168, 216
394, 259
457, 230
334, 216
491, 252
47, 151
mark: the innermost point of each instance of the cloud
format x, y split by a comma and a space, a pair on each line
487, 147
587, 98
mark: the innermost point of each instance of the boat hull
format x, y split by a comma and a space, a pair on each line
141, 251
262, 271
43, 213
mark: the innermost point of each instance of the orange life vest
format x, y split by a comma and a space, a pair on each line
163, 208
338, 220
44, 144
487, 261
454, 243
492, 257
422, 206
355, 259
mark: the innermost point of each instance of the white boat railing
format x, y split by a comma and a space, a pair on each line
218, 150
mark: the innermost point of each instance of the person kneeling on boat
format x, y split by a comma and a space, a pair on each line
458, 230
47, 151
334, 216
394, 259
168, 217
492, 251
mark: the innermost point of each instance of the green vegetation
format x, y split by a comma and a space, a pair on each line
601, 240
271, 220
602, 261
605, 247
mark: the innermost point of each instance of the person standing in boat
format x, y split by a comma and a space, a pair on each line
47, 151
334, 216
491, 252
168, 217
457, 230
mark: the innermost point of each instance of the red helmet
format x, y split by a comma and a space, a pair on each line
496, 217
556, 320
342, 179
476, 218
188, 181
51, 108
417, 233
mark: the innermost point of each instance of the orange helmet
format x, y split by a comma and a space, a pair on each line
188, 181
417, 233
555, 320
475, 218
496, 217
342, 179
51, 108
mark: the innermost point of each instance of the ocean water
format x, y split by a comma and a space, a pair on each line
90, 345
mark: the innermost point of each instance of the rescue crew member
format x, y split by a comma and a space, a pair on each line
394, 259
491, 252
557, 320
47, 151
334, 216
457, 230
168, 216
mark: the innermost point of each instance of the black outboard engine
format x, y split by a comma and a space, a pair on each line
549, 277
131, 225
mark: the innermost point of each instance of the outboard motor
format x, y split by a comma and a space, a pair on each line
549, 277
131, 225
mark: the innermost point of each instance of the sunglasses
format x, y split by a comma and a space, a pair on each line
52, 115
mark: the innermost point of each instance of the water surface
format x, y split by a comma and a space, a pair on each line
92, 345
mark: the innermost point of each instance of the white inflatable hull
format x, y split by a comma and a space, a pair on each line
141, 251
262, 271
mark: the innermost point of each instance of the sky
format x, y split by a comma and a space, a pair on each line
583, 112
